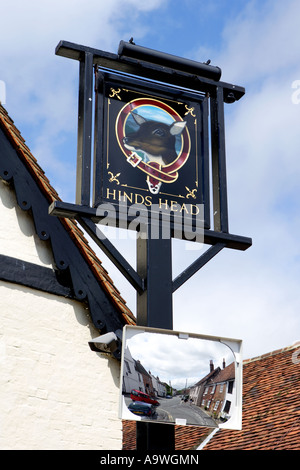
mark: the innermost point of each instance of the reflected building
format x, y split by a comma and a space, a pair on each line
215, 392
162, 390
132, 378
197, 390
223, 385
135, 377
147, 379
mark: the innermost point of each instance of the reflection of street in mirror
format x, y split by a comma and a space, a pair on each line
171, 380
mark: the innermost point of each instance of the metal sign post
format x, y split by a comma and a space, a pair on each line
154, 309
155, 142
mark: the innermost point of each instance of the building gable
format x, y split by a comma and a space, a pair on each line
77, 271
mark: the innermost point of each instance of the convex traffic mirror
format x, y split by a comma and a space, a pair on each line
180, 378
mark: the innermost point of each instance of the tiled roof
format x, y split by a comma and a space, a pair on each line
271, 409
271, 405
209, 377
225, 374
75, 233
186, 438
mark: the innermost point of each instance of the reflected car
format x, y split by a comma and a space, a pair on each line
137, 395
142, 409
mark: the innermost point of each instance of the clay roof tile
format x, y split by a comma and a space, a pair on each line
271, 410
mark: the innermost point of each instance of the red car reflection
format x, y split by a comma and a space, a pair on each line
137, 395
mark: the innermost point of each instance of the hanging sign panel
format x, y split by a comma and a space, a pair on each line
154, 148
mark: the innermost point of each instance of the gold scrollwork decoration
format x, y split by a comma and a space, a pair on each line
191, 193
190, 111
114, 177
115, 93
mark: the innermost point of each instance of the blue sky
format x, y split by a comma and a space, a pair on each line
252, 295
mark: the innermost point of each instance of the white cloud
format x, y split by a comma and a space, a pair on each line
261, 42
178, 360
253, 295
42, 88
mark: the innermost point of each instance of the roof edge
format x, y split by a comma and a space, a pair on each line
273, 353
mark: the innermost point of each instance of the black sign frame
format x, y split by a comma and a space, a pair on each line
121, 175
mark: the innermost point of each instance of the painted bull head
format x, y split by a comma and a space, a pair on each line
155, 139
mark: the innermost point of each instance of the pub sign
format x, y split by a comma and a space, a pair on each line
151, 147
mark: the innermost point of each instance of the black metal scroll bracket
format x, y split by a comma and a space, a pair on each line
88, 219
153, 278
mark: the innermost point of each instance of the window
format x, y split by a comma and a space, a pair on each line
230, 386
127, 367
227, 406
216, 405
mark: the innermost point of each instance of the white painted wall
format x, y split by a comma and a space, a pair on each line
17, 233
55, 393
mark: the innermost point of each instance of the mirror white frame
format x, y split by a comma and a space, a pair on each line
163, 354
